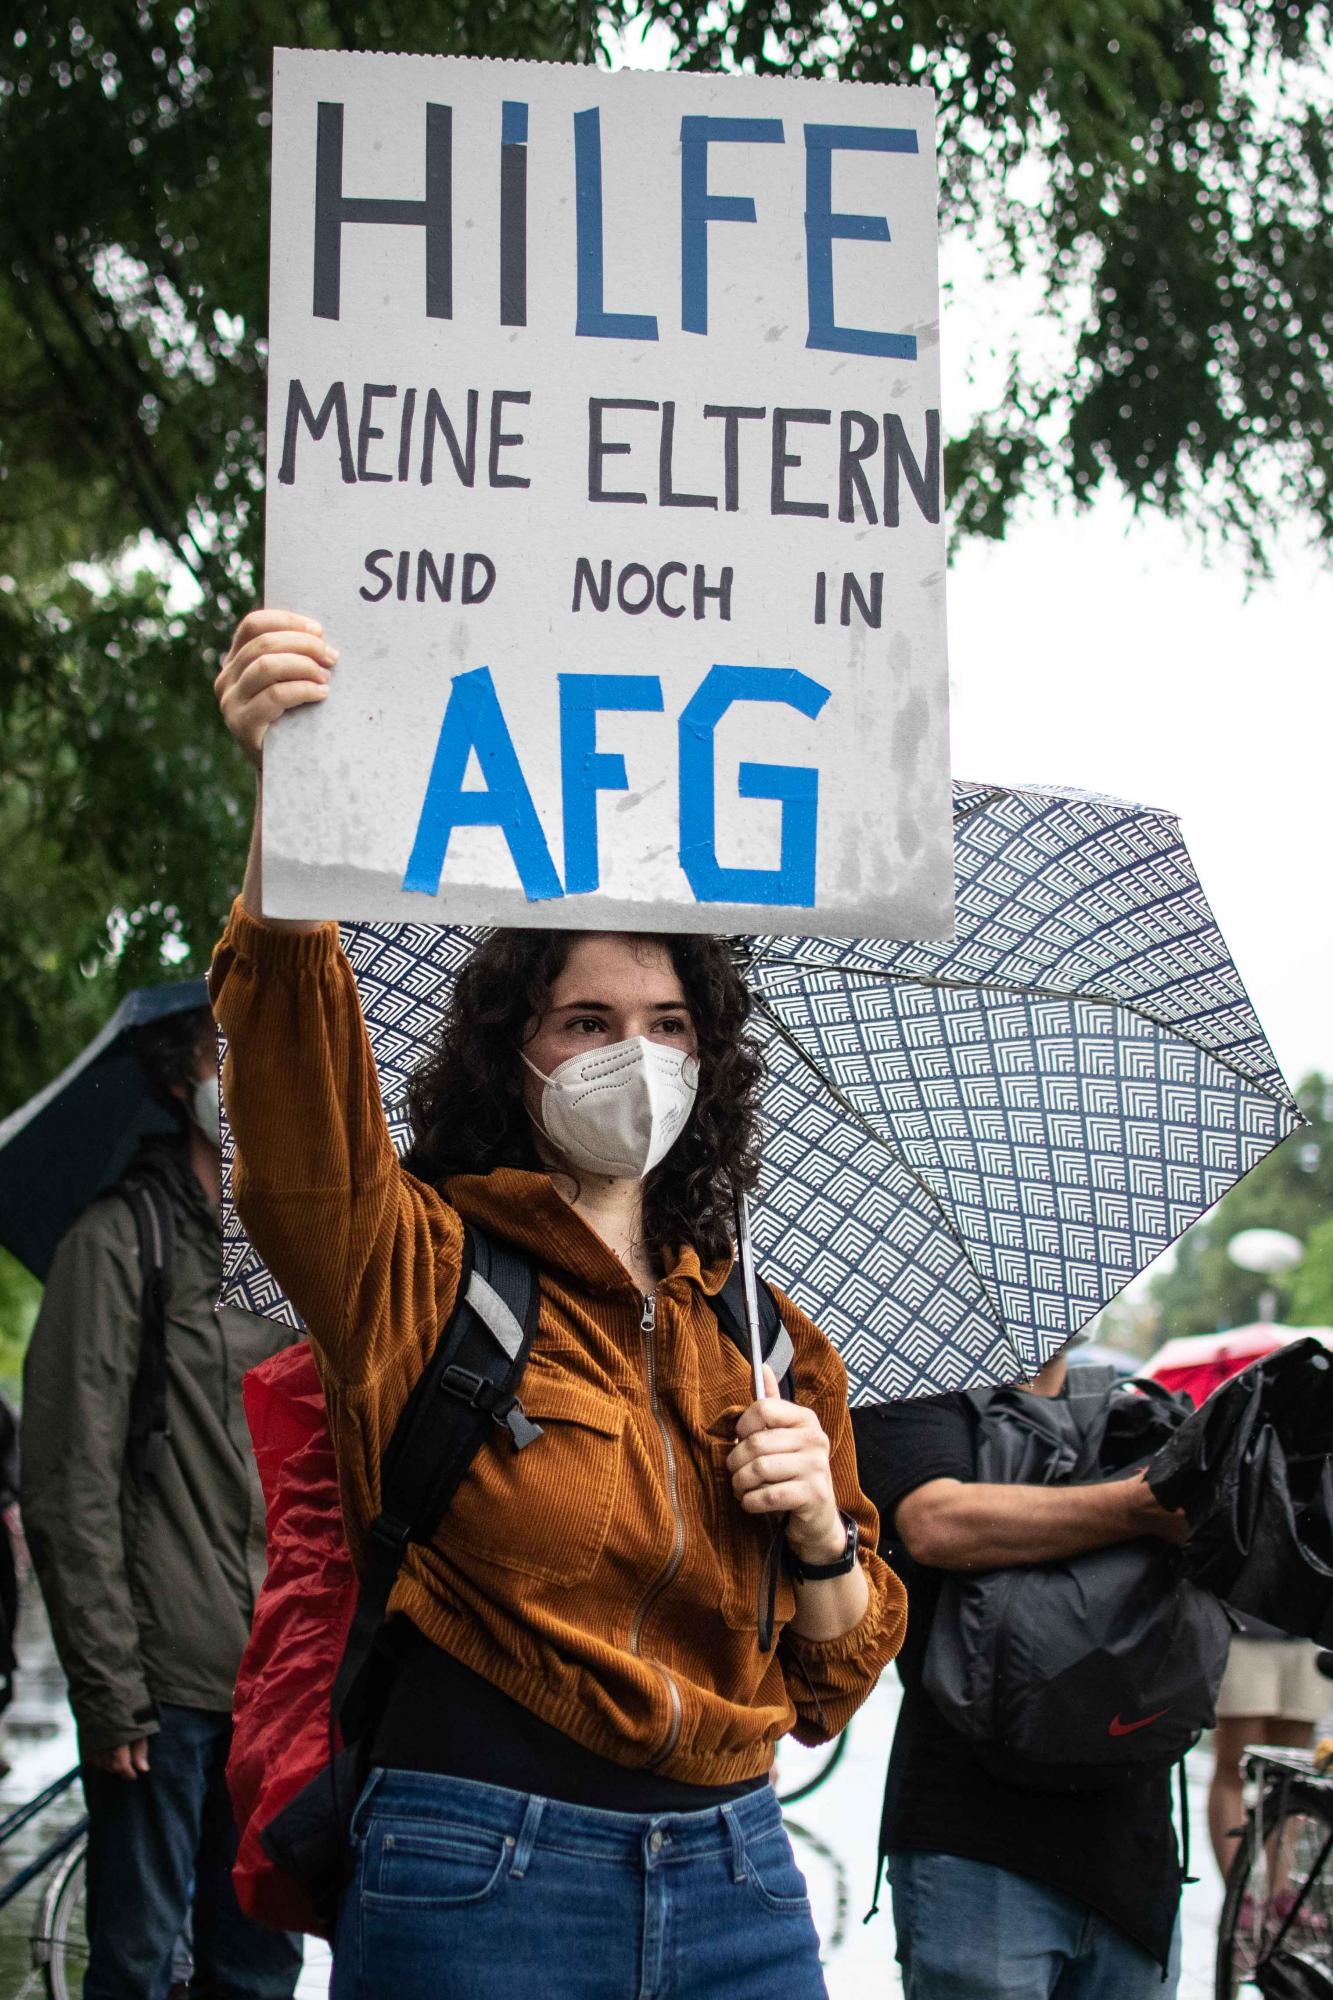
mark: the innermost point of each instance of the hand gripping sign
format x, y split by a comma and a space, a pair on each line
604, 438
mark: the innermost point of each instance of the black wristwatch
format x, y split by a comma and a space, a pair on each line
805, 1572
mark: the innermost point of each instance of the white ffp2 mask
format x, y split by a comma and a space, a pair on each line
205, 1109
618, 1110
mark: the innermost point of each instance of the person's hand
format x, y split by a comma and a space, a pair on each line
1149, 1517
781, 1466
127, 1760
277, 660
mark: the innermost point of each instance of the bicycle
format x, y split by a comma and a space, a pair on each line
59, 1948
1275, 1934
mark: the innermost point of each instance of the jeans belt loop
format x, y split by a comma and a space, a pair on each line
737, 1842
527, 1837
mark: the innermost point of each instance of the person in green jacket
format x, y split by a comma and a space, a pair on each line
150, 1578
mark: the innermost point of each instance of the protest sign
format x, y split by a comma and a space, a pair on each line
604, 438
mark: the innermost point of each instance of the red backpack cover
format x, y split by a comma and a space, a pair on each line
280, 1716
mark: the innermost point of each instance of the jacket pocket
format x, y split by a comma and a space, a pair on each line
740, 1539
543, 1511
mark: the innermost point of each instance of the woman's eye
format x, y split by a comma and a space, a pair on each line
590, 1025
674, 1024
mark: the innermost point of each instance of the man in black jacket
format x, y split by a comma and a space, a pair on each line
1002, 1893
150, 1576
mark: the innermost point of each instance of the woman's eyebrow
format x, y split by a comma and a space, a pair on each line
607, 1007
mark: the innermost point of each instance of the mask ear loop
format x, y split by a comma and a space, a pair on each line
536, 1116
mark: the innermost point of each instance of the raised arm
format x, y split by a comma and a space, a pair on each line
368, 1255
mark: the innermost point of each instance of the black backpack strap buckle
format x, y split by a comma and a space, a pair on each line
392, 1536
472, 1389
514, 1418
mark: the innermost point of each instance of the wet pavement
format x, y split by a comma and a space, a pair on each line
834, 1833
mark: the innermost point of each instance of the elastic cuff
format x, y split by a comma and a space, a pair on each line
270, 946
849, 1645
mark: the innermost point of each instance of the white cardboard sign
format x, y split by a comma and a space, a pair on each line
604, 439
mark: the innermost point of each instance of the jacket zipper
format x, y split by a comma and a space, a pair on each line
648, 1326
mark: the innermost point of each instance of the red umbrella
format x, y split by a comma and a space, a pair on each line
1198, 1363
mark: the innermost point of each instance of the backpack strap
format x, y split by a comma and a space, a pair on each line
775, 1345
774, 1340
155, 1225
469, 1383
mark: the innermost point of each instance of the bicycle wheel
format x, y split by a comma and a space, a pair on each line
1283, 1864
798, 1771
60, 1941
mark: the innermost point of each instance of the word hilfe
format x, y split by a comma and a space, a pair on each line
474, 726
336, 209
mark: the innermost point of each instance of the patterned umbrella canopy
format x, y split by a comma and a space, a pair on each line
970, 1147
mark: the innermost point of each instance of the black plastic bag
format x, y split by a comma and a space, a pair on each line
1252, 1470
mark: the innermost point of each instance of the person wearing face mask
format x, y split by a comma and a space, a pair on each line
150, 1566
570, 1768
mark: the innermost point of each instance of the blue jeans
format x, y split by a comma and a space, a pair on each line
160, 1847
464, 1891
970, 1931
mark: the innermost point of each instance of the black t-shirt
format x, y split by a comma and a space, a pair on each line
1114, 1850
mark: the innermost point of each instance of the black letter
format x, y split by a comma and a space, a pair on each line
373, 560
665, 496
871, 613
426, 567
599, 593
434, 214
669, 569
635, 569
731, 414
298, 409
501, 438
925, 485
366, 430
852, 481
782, 458
702, 593
471, 595
405, 433
465, 463
514, 214
597, 451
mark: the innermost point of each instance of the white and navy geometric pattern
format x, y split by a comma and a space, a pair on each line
969, 1147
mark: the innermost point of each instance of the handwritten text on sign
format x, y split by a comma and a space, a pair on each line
605, 440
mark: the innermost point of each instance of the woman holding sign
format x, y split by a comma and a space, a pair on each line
569, 1771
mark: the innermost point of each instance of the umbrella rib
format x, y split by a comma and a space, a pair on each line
784, 1034
1281, 1097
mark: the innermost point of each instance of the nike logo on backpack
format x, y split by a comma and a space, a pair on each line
1119, 1728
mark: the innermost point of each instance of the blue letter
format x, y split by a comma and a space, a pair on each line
822, 226
586, 770
473, 721
592, 319
793, 880
698, 208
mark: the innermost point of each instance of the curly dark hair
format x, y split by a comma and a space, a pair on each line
169, 1050
466, 1098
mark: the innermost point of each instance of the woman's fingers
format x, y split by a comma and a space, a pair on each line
256, 623
771, 1444
791, 1496
278, 660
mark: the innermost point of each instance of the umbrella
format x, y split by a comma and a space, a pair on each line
1198, 1363
78, 1135
970, 1146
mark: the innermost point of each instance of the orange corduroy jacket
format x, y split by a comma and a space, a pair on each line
606, 1578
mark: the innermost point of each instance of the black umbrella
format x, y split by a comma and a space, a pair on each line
78, 1135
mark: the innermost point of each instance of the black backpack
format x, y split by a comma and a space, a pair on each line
470, 1385
1083, 1673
